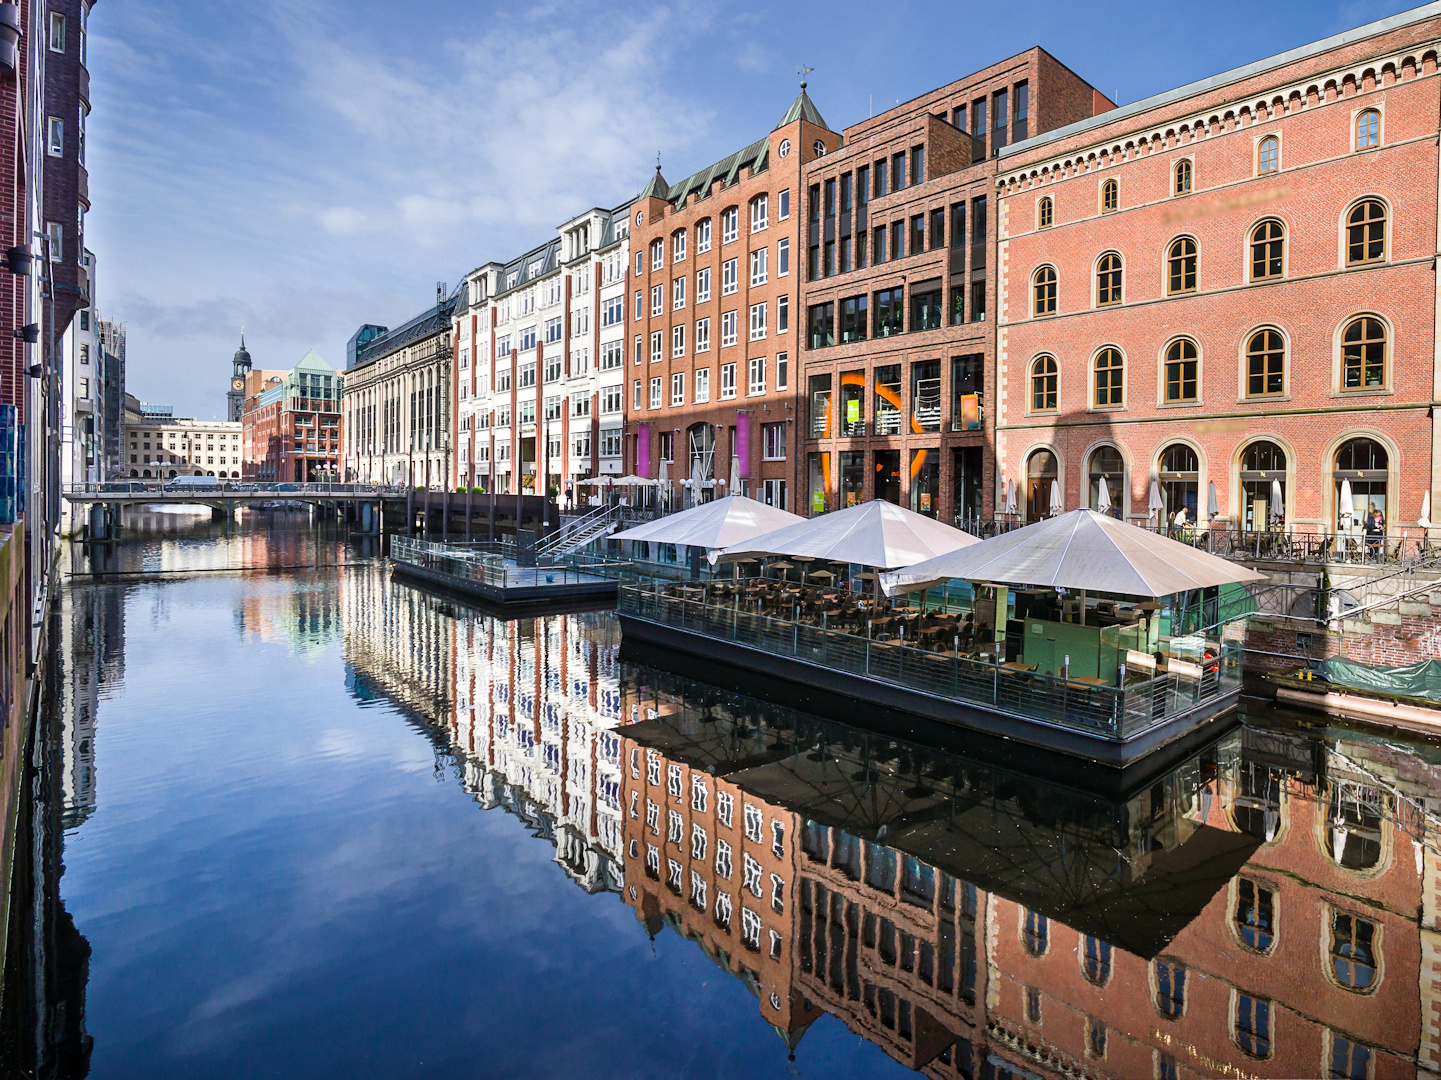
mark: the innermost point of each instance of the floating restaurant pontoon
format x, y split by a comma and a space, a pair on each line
1078, 634
488, 573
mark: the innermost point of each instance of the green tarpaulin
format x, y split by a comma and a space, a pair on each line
1421, 680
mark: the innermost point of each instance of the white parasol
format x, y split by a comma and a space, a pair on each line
1103, 498
1057, 506
1425, 520
1278, 502
1154, 506
1348, 502
1010, 496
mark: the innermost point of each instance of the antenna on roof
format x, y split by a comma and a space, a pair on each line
803, 72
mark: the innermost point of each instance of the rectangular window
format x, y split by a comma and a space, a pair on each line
729, 276
773, 442
889, 307
610, 442
677, 294
978, 135
702, 236
820, 325
1023, 112
728, 328
760, 266
677, 388
758, 322
702, 285
655, 392
784, 210
854, 319
880, 186
918, 234
611, 356
657, 254
57, 32
553, 407
702, 335
878, 252
56, 136
657, 346
636, 395
918, 165
926, 396
757, 383
898, 171
702, 385
978, 301
728, 381
783, 257
580, 404
898, 240
527, 338
782, 370
885, 404
639, 349
677, 340
730, 224
938, 227
639, 267
926, 305
527, 374
639, 306
657, 299
783, 314
552, 368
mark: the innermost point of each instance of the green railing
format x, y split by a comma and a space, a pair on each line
1104, 711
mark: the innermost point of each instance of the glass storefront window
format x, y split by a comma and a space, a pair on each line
853, 403
925, 481
820, 391
926, 395
888, 400
853, 477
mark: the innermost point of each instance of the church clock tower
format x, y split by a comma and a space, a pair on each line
235, 398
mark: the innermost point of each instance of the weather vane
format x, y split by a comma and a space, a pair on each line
803, 72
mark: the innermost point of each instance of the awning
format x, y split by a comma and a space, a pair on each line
1078, 550
877, 533
732, 520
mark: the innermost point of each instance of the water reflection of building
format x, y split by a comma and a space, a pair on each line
1267, 909
92, 637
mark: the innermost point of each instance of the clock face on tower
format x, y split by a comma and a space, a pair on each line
236, 384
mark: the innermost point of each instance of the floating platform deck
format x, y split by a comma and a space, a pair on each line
498, 581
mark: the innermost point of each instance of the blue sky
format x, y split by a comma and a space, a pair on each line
302, 167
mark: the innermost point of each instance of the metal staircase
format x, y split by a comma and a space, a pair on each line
578, 532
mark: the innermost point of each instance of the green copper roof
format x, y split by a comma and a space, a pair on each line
656, 189
312, 361
803, 108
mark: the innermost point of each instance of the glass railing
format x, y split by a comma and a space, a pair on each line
1109, 712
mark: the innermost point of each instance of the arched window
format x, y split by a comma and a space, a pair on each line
1110, 379
1361, 465
1354, 825
1268, 250
1353, 951
1268, 155
1045, 291
1255, 916
1181, 266
1368, 129
700, 439
1366, 233
1043, 384
1181, 371
1045, 213
1110, 196
1109, 468
1108, 280
1035, 934
1041, 478
1170, 990
1363, 354
1265, 364
1179, 479
1183, 177
1263, 486
1096, 961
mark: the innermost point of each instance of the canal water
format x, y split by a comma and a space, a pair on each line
291, 819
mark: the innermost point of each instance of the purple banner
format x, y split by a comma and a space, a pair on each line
642, 463
743, 444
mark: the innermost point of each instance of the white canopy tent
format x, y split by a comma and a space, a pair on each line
1080, 550
878, 533
731, 520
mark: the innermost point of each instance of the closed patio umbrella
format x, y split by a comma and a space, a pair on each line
1213, 508
696, 480
1154, 505
734, 487
1348, 502
1010, 497
1425, 520
1103, 498
664, 482
1278, 502
1057, 506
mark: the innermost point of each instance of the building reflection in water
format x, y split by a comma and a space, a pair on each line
1268, 908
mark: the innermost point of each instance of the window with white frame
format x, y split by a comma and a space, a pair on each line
783, 371
612, 355
580, 360
729, 276
773, 442
639, 350
728, 381
553, 409
677, 388
697, 843
57, 32
723, 910
760, 266
655, 392
465, 358
673, 876
776, 945
639, 305
553, 366
657, 299
697, 891
612, 311
677, 340
639, 264
580, 446
783, 314
677, 294
783, 257
752, 876
730, 224
677, 243
728, 328
610, 399
702, 335
750, 929
652, 860
652, 817
757, 382
657, 254
760, 212
673, 781
754, 821
758, 321
55, 138
657, 346
723, 858
778, 840
610, 443
724, 807
638, 385
698, 794
702, 385
702, 285
580, 403
702, 235
784, 210
778, 894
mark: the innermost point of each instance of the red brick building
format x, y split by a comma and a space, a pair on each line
1231, 285
899, 290
714, 305
291, 425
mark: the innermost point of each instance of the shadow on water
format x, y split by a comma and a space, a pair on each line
1260, 908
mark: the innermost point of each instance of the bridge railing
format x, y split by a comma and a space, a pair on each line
142, 488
